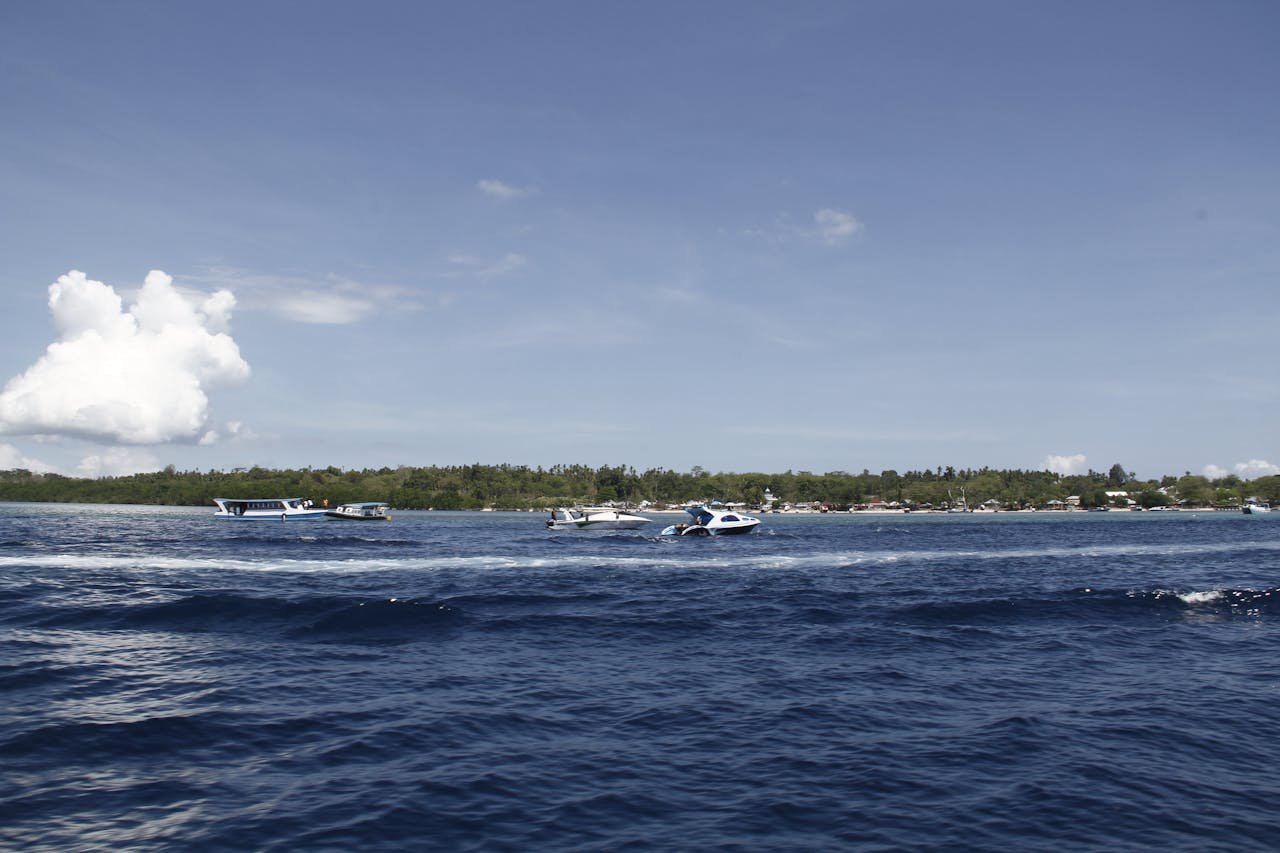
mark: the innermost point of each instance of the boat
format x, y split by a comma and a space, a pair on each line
362, 511
961, 505
268, 509
1255, 507
593, 518
712, 522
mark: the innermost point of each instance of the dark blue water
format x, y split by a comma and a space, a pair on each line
475, 682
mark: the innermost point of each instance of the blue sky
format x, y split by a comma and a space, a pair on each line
743, 236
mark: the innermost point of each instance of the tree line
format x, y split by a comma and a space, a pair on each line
463, 487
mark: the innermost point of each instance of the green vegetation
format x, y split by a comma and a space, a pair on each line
521, 487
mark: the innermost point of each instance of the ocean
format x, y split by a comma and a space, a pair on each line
473, 681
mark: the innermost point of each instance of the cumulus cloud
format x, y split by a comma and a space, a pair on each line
11, 458
834, 227
1250, 470
1256, 468
117, 462
233, 431
501, 190
135, 376
1065, 465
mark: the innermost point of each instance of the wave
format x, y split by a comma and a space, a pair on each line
145, 735
357, 619
339, 541
315, 617
390, 620
1079, 605
678, 554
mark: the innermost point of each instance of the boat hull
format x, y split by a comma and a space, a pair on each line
270, 516
734, 530
704, 530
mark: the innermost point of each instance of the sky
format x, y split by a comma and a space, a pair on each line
743, 236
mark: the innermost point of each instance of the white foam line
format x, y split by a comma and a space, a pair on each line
781, 562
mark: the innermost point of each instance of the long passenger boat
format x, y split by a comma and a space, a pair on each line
269, 509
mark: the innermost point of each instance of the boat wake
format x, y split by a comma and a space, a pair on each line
672, 554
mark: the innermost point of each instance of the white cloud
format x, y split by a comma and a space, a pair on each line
1065, 465
829, 226
117, 462
331, 301
1250, 470
834, 227
322, 308
136, 376
504, 191
1257, 468
11, 458
485, 268
233, 431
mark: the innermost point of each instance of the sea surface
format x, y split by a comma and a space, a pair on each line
473, 681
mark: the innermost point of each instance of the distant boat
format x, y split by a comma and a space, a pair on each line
961, 505
711, 522
1255, 507
593, 518
271, 509
363, 511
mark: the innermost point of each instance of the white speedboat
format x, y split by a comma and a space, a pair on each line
593, 518
270, 509
712, 522
364, 511
1255, 508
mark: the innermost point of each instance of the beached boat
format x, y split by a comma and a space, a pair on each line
270, 509
362, 511
954, 505
1255, 507
593, 518
712, 522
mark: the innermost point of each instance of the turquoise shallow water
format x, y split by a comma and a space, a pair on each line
473, 681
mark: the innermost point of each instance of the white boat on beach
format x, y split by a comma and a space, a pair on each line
712, 522
362, 511
593, 518
954, 505
269, 509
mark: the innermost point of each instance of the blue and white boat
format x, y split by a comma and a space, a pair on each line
712, 522
269, 509
362, 511
1253, 506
